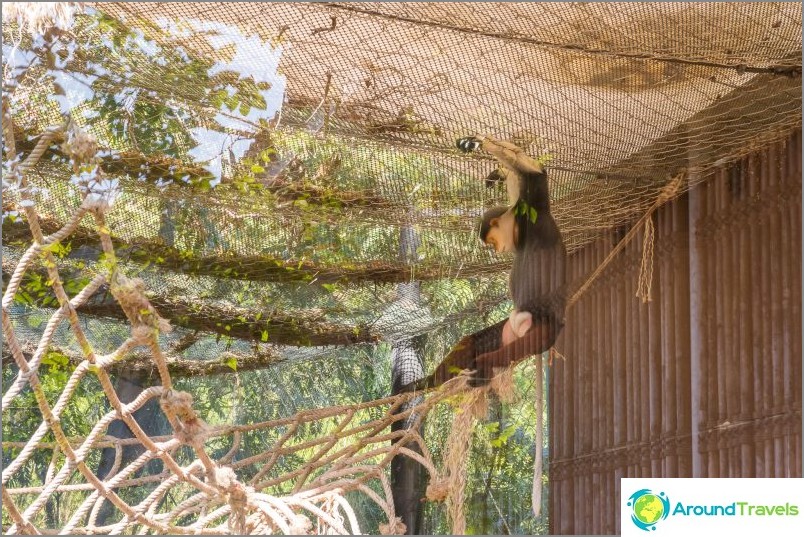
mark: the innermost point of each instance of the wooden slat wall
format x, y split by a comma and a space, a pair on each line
704, 380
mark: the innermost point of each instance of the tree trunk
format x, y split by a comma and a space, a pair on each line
149, 417
408, 477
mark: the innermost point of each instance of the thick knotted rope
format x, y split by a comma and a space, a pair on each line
223, 502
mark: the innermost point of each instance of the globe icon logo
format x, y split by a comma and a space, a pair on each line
648, 508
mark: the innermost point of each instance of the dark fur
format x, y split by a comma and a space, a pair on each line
538, 274
537, 283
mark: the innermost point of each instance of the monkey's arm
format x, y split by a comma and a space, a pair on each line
507, 153
526, 181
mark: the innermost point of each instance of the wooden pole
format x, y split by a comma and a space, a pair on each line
697, 325
681, 299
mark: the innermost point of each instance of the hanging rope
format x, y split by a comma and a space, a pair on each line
667, 193
538, 463
646, 266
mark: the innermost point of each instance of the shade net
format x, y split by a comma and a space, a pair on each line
287, 186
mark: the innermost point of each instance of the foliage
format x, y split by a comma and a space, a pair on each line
500, 466
295, 197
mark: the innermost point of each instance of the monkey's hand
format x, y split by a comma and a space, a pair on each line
469, 143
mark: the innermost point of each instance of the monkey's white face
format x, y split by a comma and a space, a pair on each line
501, 234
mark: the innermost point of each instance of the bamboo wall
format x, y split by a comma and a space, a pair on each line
704, 380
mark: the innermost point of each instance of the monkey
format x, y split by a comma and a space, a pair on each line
537, 280
495, 177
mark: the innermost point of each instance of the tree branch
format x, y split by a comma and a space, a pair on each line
141, 362
240, 323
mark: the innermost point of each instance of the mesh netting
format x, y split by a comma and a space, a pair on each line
286, 189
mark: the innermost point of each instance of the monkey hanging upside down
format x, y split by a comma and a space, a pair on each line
537, 280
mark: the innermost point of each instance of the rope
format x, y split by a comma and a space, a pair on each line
347, 459
646, 266
538, 442
667, 193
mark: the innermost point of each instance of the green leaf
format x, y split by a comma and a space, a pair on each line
264, 335
502, 439
266, 155
55, 360
533, 214
232, 363
57, 249
492, 427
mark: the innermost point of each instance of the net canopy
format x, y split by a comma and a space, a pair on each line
330, 128
283, 177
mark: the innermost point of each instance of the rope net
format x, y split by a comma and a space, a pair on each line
353, 451
255, 210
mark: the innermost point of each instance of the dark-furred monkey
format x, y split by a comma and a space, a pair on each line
537, 279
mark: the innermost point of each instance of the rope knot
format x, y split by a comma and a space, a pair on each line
99, 191
53, 17
503, 385
437, 490
13, 176
130, 293
670, 189
79, 145
189, 428
301, 525
142, 334
395, 526
237, 496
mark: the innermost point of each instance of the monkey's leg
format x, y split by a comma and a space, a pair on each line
462, 356
537, 340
